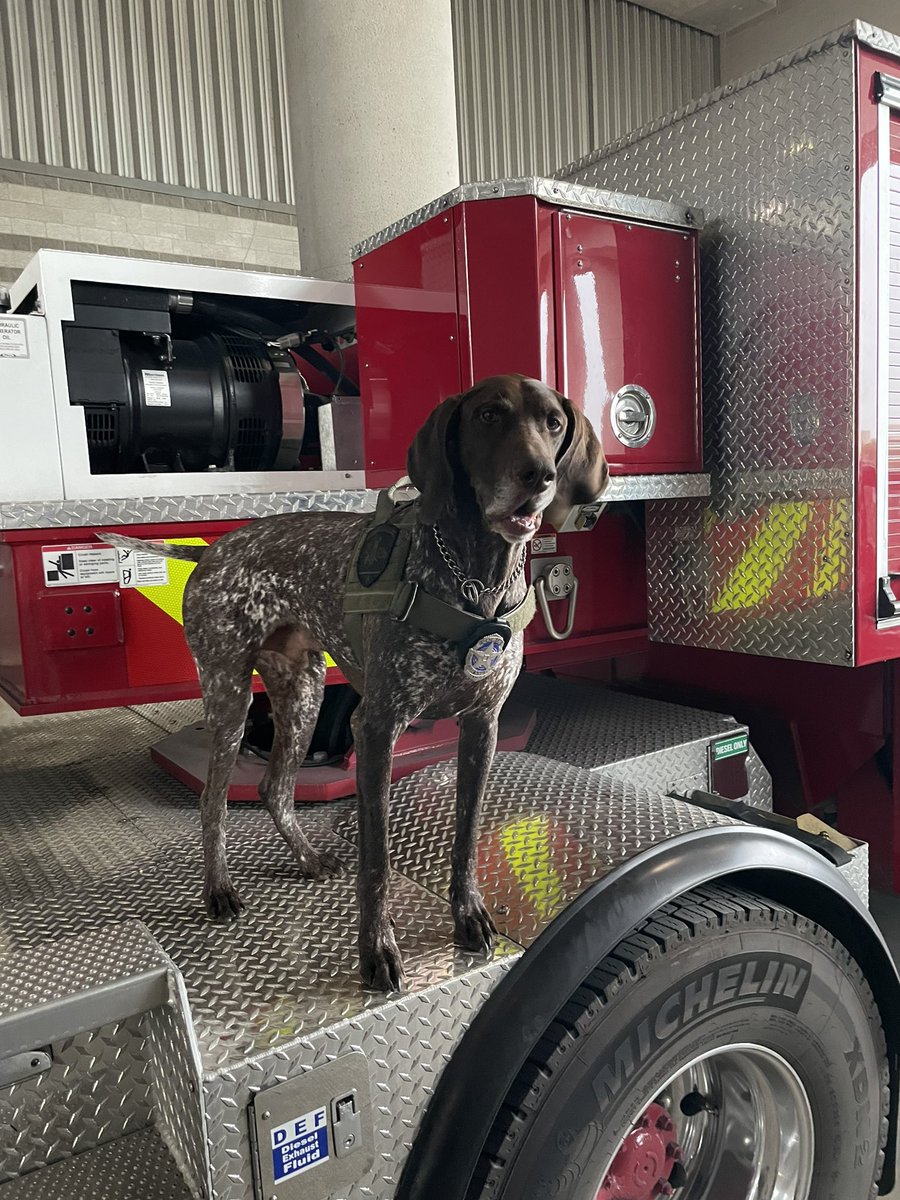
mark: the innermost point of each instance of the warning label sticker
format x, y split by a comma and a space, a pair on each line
138, 568
730, 747
78, 566
13, 338
300, 1144
156, 389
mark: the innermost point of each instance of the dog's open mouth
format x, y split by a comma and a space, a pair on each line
520, 524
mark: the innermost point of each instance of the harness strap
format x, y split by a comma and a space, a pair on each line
375, 583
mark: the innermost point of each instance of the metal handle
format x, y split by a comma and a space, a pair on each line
633, 415
540, 587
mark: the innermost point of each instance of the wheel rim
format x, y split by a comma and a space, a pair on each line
735, 1122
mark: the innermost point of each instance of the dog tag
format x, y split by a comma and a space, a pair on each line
482, 658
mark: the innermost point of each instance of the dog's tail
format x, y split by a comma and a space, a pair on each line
191, 553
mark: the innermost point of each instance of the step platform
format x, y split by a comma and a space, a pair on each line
162, 1040
661, 745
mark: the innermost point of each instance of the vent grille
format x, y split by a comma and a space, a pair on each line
102, 426
247, 361
252, 433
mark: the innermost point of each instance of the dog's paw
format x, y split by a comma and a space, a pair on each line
318, 864
380, 965
223, 904
474, 928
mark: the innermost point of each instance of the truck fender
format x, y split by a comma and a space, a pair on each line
494, 1048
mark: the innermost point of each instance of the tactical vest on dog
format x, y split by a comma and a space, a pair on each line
376, 583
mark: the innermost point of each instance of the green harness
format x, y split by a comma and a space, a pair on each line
376, 583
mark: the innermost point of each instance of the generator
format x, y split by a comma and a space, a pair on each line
688, 996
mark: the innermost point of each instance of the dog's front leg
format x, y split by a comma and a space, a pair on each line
374, 736
474, 928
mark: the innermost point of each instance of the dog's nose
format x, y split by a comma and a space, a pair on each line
538, 474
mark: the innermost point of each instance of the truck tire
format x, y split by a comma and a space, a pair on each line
728, 1049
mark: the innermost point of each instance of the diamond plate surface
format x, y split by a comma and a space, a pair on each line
287, 969
278, 993
407, 1042
133, 1168
98, 1088
760, 782
767, 566
148, 510
547, 831
51, 971
177, 1088
655, 487
565, 193
656, 745
172, 715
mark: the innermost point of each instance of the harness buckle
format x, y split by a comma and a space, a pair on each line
404, 599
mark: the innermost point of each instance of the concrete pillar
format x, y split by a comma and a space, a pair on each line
373, 118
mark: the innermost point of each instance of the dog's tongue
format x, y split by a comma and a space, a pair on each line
523, 523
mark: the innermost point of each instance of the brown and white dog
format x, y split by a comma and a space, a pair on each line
490, 466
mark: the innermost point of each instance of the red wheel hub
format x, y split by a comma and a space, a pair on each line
644, 1161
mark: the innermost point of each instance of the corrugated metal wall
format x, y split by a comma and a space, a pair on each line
183, 92
191, 92
542, 82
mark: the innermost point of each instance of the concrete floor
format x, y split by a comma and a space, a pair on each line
885, 908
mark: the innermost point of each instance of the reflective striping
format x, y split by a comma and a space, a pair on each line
764, 560
832, 561
168, 597
529, 851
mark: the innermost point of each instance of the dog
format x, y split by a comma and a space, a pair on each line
490, 465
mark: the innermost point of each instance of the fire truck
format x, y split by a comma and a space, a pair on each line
696, 773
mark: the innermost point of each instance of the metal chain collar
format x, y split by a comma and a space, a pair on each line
474, 589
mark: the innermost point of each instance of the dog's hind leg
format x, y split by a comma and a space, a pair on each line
226, 698
295, 681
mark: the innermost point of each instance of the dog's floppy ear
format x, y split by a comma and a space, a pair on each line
428, 461
581, 470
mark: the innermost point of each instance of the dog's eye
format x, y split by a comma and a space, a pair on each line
554, 424
489, 415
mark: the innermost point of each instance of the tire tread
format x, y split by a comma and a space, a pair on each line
706, 908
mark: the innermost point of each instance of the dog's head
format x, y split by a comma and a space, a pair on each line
524, 451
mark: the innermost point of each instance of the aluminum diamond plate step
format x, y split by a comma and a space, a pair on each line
100, 863
138, 1167
659, 745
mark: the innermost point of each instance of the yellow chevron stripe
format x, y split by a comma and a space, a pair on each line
764, 560
833, 551
168, 597
529, 852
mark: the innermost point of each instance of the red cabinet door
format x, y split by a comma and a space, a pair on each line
627, 319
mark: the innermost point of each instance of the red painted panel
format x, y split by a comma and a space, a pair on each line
408, 333
627, 314
610, 565
872, 644
893, 349
12, 672
135, 654
506, 302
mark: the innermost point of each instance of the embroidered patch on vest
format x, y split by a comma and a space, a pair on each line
375, 554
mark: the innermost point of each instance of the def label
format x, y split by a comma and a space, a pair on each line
300, 1144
